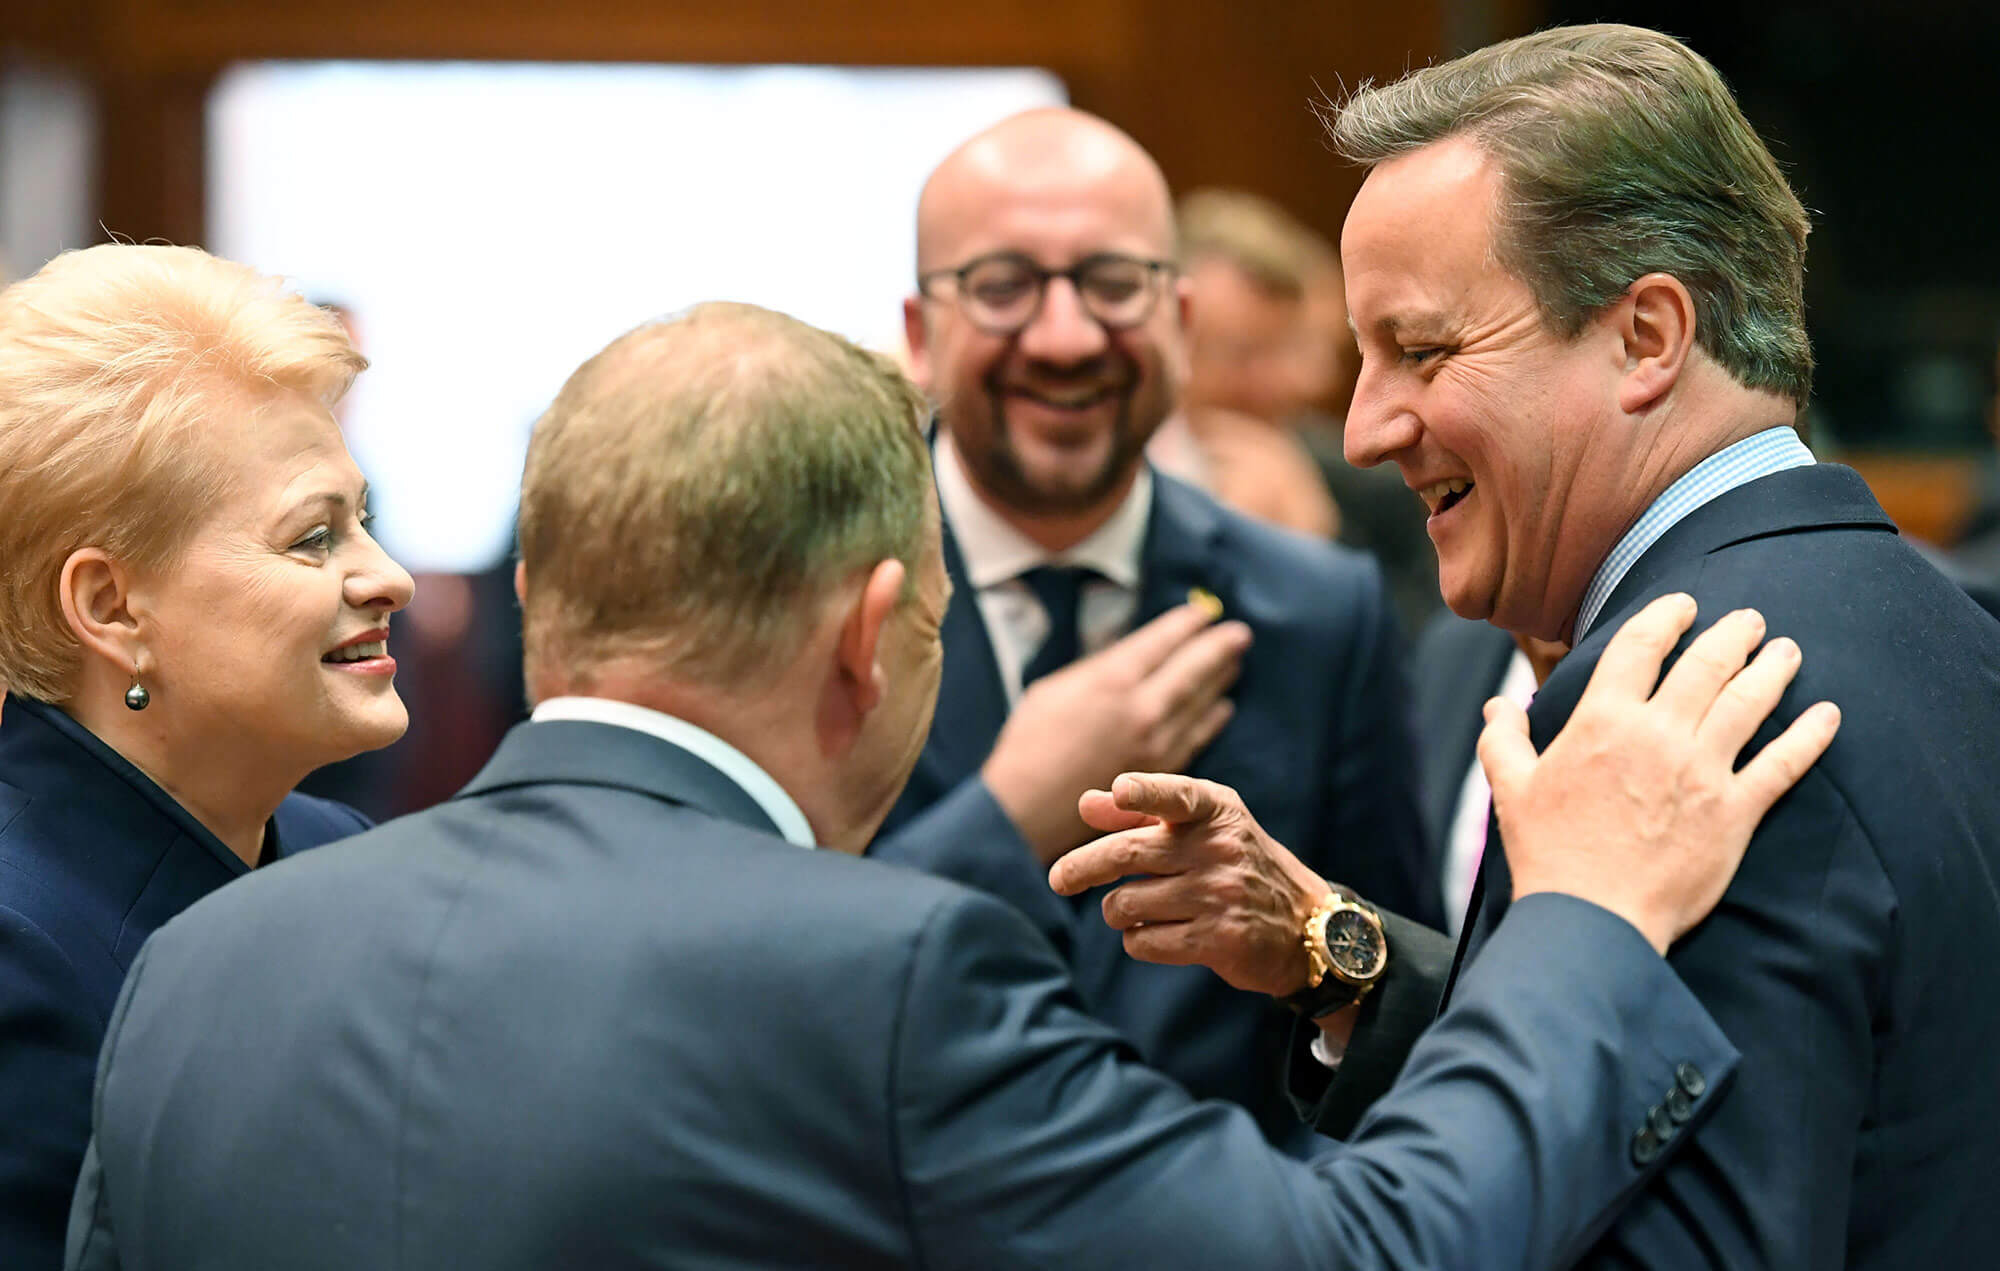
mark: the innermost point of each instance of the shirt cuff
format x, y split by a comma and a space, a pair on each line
1323, 1051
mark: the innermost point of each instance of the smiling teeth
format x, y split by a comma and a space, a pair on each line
1434, 495
360, 652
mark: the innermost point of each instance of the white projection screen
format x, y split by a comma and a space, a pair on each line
489, 226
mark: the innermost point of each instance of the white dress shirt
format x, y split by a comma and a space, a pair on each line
996, 555
740, 768
1465, 839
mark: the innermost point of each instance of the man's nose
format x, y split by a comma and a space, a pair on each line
1379, 423
1063, 330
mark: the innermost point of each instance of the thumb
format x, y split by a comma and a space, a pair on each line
1505, 750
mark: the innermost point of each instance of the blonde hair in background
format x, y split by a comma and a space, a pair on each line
699, 488
1266, 243
1622, 153
114, 363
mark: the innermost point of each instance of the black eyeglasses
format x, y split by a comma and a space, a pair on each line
1002, 292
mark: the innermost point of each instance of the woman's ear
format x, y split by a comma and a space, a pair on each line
96, 594
1656, 320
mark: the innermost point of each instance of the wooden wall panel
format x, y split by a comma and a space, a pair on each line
1218, 91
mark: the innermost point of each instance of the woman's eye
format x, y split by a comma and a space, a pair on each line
317, 541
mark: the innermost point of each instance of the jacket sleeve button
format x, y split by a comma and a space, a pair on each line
1645, 1147
1690, 1079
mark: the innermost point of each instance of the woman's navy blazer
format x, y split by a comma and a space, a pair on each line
93, 858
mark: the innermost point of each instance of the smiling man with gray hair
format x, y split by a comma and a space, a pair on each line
1576, 276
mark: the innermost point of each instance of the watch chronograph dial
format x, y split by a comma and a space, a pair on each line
1355, 944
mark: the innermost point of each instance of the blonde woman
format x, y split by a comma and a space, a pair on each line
192, 617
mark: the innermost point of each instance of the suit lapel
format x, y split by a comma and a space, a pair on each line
972, 705
581, 752
1181, 552
1822, 496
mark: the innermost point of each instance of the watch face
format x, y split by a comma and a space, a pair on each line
1355, 945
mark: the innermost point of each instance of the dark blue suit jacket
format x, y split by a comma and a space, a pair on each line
594, 1013
1318, 747
93, 857
1853, 956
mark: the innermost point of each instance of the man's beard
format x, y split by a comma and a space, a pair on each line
1000, 469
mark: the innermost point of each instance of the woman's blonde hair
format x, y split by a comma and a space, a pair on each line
114, 363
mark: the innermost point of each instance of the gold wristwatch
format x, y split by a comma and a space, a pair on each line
1346, 954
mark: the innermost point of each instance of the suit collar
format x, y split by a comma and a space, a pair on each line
587, 753
130, 807
778, 805
1182, 551
992, 551
1822, 496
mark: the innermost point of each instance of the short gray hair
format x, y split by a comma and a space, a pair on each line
704, 483
1622, 153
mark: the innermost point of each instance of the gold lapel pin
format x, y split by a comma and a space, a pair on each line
1207, 601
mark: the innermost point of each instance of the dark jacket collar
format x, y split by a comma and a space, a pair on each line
107, 797
1822, 496
585, 753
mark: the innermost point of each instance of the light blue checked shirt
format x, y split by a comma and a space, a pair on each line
1773, 450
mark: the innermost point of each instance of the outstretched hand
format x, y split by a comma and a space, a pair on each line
1218, 891
1637, 805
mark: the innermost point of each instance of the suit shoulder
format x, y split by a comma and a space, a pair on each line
306, 820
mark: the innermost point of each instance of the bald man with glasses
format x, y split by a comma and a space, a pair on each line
1106, 618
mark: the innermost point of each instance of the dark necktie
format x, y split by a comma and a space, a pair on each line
1058, 587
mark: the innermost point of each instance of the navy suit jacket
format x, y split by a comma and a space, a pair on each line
1852, 958
1457, 666
1318, 747
595, 1013
93, 858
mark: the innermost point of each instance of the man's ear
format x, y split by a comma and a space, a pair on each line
917, 341
1656, 321
858, 653
96, 594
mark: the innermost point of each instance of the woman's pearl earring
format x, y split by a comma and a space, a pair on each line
136, 697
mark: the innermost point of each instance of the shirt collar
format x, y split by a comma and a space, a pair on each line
699, 742
995, 552
1760, 455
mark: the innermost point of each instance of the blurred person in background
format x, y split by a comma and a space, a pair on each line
195, 617
1081, 638
1975, 559
1244, 262
1377, 511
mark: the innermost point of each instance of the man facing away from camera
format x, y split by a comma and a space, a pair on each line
631, 1000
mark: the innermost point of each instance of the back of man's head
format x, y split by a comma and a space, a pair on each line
700, 488
1623, 154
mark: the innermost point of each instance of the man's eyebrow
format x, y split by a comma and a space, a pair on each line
1428, 322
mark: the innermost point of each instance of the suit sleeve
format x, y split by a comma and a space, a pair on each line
1027, 1135
91, 1244
1371, 837
1790, 964
968, 838
1392, 1017
48, 1051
